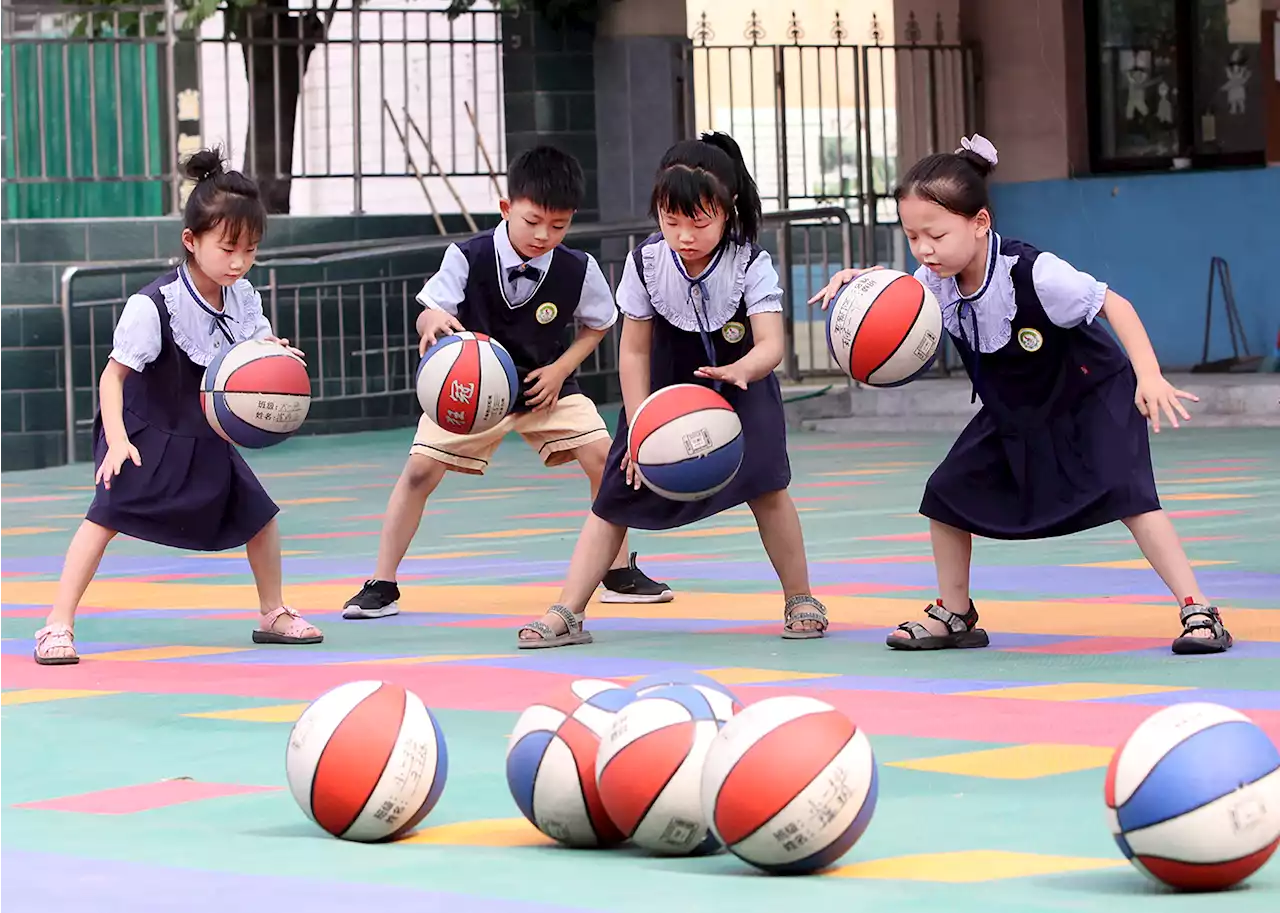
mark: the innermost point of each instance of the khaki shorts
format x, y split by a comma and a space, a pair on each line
573, 422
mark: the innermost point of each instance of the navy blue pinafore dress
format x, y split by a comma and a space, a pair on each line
193, 490
1058, 446
676, 354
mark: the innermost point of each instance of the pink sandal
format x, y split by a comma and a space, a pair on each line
59, 638
298, 631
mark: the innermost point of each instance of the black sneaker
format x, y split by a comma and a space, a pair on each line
376, 600
630, 584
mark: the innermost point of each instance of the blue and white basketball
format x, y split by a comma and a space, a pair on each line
255, 394
656, 680
551, 762
1193, 797
685, 442
467, 383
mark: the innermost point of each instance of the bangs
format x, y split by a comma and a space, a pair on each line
688, 192
237, 217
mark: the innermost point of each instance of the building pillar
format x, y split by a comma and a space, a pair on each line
643, 105
549, 92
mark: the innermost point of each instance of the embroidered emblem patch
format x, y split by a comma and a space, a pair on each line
1030, 339
733, 332
546, 312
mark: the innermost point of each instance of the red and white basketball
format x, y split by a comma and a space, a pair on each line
883, 328
649, 767
467, 383
789, 784
685, 442
255, 394
551, 762
367, 761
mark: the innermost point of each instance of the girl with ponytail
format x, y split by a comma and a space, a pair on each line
701, 303
1060, 444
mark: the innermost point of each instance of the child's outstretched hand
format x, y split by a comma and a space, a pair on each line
114, 461
1155, 394
729, 374
837, 282
284, 342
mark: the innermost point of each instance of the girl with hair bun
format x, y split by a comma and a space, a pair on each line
701, 303
1058, 446
162, 473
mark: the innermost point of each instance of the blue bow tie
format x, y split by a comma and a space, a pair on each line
523, 271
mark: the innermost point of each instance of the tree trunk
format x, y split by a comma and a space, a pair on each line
277, 43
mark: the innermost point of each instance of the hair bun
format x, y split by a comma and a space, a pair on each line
204, 164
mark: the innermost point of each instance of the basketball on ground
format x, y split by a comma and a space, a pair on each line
1193, 797
255, 394
366, 761
883, 328
789, 784
467, 383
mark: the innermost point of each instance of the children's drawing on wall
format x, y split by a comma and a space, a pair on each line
1238, 76
1136, 65
1164, 107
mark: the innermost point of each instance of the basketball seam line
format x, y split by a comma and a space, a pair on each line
897, 348
1154, 858
1187, 811
775, 812
1146, 776
658, 794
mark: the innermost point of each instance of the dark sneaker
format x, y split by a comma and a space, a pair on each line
376, 600
630, 584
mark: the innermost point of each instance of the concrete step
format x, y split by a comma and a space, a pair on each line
1226, 401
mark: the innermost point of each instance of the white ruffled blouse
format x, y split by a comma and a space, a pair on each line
195, 324
667, 290
1069, 296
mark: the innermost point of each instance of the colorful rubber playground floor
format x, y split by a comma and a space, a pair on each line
151, 776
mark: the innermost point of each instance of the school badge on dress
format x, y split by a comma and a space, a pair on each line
733, 332
1030, 339
546, 312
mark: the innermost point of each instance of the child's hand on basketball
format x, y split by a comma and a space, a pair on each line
837, 282
114, 461
729, 374
629, 470
432, 324
284, 342
545, 392
1155, 394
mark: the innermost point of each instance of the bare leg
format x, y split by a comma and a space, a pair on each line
1159, 542
264, 559
84, 555
408, 500
597, 546
592, 458
952, 555
55, 642
783, 540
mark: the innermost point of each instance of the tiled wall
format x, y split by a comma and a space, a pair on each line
35, 253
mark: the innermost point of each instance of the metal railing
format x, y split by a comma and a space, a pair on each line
831, 121
359, 103
353, 312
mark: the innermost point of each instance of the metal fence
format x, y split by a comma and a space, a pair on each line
353, 312
360, 103
827, 123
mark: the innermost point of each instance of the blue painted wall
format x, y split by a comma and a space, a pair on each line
1150, 238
